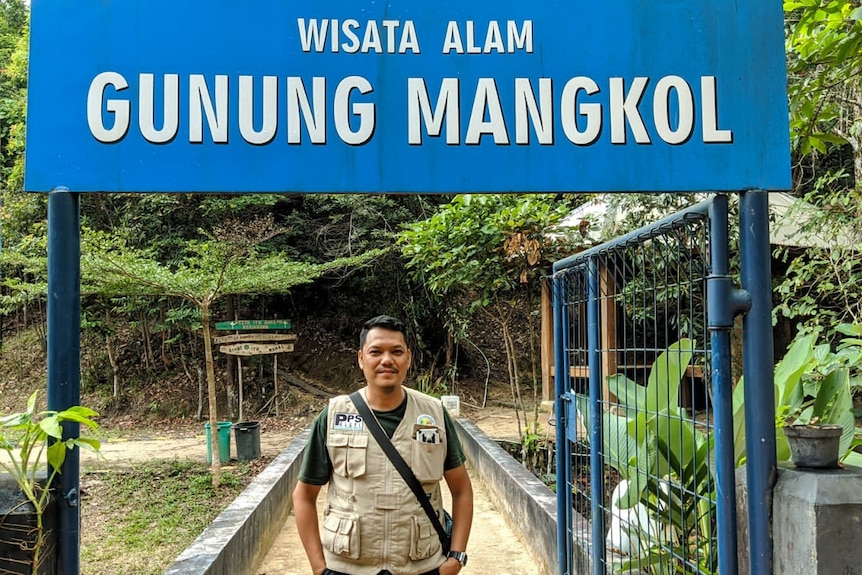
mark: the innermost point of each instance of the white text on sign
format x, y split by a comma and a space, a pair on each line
581, 108
505, 111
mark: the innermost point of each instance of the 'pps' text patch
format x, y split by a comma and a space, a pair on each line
348, 422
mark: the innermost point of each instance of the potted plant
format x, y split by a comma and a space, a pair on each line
814, 445
25, 438
816, 417
812, 395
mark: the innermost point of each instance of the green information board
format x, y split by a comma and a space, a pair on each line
242, 324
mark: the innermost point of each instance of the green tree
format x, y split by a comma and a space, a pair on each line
483, 255
824, 63
18, 211
824, 53
232, 261
822, 287
14, 33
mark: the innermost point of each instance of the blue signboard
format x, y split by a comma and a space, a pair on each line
406, 96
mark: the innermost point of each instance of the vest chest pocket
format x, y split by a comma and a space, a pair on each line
340, 533
428, 460
348, 453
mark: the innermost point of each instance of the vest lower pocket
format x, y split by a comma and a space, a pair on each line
428, 461
348, 453
340, 533
424, 541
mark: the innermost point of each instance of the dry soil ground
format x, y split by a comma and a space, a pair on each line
188, 441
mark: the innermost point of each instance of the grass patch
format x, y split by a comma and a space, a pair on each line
137, 521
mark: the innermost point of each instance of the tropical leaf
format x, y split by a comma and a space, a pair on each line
627, 392
662, 391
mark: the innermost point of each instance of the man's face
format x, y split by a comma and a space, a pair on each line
384, 359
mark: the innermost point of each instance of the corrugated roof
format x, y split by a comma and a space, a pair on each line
789, 216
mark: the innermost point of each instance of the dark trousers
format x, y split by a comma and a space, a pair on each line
331, 572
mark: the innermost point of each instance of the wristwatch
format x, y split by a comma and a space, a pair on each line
458, 556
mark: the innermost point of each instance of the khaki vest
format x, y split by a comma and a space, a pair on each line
372, 519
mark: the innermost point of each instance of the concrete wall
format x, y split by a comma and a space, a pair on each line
817, 522
242, 534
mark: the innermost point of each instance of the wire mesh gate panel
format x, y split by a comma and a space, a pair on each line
636, 405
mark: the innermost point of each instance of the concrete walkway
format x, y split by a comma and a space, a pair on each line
494, 548
256, 533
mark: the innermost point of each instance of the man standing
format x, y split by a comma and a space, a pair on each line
373, 523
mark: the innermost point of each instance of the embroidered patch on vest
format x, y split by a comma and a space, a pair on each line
426, 419
348, 422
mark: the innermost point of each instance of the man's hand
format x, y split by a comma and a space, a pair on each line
450, 567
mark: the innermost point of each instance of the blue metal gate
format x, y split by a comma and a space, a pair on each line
643, 365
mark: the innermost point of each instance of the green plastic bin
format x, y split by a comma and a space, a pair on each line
223, 442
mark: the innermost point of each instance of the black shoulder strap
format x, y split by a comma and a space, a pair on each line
398, 462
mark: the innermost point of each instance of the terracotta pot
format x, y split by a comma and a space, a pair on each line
814, 446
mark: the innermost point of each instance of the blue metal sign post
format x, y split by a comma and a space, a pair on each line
759, 363
406, 96
64, 362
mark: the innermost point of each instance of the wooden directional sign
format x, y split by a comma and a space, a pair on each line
256, 348
235, 337
246, 324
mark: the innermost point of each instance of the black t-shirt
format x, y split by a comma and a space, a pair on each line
317, 467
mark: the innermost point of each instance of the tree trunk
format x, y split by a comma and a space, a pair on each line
514, 378
534, 359
166, 337
149, 357
275, 382
503, 318
41, 326
230, 395
201, 386
239, 394
199, 380
115, 369
447, 363
211, 388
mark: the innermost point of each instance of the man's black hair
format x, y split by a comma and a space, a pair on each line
384, 322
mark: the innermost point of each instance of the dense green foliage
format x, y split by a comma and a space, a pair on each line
481, 249
664, 457
460, 256
481, 256
824, 49
158, 268
820, 288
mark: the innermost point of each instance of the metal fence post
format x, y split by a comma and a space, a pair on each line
724, 302
758, 359
597, 467
564, 504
